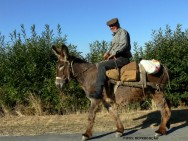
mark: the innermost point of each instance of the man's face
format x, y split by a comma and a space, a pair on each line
113, 28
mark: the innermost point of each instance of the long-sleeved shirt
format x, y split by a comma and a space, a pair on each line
121, 43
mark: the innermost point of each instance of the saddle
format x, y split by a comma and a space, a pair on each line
127, 73
134, 74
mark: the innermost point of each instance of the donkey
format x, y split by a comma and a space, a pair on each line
85, 73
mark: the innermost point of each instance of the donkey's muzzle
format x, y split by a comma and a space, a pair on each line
59, 82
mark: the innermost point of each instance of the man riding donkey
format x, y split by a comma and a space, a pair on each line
117, 56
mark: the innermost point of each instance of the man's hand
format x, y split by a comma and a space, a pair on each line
110, 57
106, 55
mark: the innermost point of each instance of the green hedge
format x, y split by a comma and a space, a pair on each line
27, 68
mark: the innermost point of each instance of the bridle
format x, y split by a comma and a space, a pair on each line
70, 70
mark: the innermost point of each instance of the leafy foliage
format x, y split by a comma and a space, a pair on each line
28, 66
97, 50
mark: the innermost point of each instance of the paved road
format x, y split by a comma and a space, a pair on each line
175, 134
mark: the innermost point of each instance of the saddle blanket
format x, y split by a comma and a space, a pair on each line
126, 73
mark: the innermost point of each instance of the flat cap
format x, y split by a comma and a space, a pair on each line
112, 21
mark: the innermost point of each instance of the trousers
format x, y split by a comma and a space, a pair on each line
103, 67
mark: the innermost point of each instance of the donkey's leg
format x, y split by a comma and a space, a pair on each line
165, 110
115, 116
91, 118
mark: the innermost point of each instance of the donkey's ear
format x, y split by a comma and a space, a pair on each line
65, 52
56, 51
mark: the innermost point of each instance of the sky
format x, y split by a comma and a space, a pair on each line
84, 21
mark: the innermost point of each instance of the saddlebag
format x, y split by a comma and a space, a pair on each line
126, 73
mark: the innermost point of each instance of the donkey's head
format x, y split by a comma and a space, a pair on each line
63, 65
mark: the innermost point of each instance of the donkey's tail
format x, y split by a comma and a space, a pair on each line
167, 73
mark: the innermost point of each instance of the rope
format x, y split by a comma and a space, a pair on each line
117, 69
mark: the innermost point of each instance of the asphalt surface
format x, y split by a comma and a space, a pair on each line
175, 134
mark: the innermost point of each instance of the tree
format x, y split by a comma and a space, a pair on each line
97, 50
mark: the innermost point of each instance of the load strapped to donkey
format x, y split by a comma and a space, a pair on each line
138, 75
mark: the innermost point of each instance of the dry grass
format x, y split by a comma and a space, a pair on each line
35, 103
32, 125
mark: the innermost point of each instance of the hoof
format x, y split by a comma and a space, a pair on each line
158, 134
161, 132
118, 134
84, 138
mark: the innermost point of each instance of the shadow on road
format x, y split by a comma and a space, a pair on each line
179, 118
106, 134
129, 132
100, 136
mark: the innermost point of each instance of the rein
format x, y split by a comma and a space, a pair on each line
72, 70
